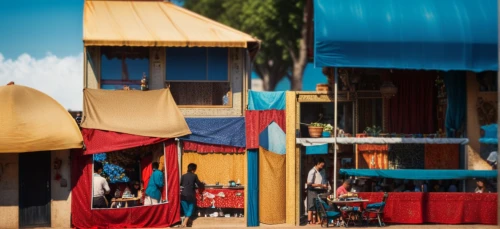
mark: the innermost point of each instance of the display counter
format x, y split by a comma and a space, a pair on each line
442, 208
222, 197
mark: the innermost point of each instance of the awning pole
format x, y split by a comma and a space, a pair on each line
179, 156
335, 135
498, 134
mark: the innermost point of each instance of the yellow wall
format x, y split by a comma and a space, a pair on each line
9, 191
216, 167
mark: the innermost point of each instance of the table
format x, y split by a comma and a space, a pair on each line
114, 201
351, 216
435, 207
233, 198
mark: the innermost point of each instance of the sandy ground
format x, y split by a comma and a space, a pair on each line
240, 223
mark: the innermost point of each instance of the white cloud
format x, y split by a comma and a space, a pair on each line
59, 77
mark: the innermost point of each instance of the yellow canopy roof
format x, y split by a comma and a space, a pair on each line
32, 121
150, 23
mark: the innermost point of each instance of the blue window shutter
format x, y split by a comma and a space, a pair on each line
217, 64
186, 64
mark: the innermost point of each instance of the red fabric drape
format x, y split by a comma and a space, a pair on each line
412, 110
443, 208
210, 148
101, 141
83, 216
147, 170
257, 121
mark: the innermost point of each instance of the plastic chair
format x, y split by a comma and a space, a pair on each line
378, 209
353, 215
324, 213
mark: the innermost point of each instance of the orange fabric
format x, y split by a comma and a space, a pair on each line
32, 121
373, 160
367, 147
272, 187
160, 23
444, 156
216, 167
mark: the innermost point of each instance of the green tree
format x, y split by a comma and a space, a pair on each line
281, 25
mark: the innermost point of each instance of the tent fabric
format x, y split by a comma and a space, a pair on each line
144, 113
162, 215
99, 141
317, 149
272, 186
457, 101
490, 134
146, 23
210, 148
273, 139
217, 131
31, 121
266, 100
216, 167
425, 34
420, 174
253, 188
257, 121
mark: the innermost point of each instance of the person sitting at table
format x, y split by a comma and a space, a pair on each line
188, 193
344, 188
155, 184
453, 186
135, 190
316, 184
481, 187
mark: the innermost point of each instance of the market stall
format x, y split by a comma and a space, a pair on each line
217, 147
115, 133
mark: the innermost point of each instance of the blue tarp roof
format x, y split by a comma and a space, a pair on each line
420, 174
217, 131
422, 34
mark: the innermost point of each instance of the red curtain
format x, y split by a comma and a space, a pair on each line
210, 148
101, 141
147, 170
257, 121
442, 208
83, 216
412, 110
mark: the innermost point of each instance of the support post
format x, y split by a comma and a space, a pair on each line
335, 134
498, 136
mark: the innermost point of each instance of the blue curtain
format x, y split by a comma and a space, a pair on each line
217, 131
456, 92
253, 188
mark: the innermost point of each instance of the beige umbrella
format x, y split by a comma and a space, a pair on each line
32, 121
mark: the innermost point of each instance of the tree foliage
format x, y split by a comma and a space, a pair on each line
279, 24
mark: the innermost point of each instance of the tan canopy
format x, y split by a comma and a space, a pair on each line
32, 121
153, 23
144, 113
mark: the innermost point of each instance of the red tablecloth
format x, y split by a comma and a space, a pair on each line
233, 198
445, 208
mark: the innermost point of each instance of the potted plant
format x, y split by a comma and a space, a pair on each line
327, 130
315, 129
373, 131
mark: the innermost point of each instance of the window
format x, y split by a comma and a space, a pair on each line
199, 76
126, 173
123, 67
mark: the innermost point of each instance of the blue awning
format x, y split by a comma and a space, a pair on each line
424, 34
420, 174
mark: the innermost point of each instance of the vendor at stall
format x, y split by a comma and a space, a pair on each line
189, 181
316, 183
101, 188
155, 184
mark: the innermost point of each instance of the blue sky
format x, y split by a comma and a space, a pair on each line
40, 26
41, 47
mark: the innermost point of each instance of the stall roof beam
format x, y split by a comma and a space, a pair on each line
420, 174
155, 23
424, 34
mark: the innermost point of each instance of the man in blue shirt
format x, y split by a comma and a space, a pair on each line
155, 184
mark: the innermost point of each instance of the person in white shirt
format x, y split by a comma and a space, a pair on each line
316, 183
100, 188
